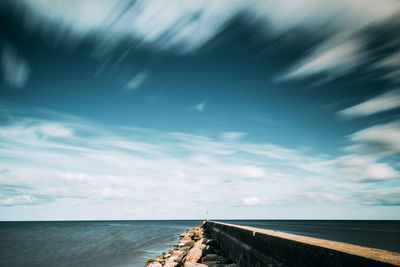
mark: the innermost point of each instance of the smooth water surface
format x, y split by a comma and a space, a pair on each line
91, 243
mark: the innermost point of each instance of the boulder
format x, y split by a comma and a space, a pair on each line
154, 264
177, 255
209, 257
208, 249
186, 243
199, 244
211, 242
198, 233
194, 255
191, 264
209, 263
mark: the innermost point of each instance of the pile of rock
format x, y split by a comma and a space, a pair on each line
195, 249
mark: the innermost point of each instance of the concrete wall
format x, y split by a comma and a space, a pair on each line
253, 247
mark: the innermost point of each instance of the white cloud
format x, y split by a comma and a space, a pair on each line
18, 200
84, 165
390, 61
55, 130
380, 171
335, 57
361, 168
249, 171
325, 197
16, 70
254, 201
381, 139
232, 136
387, 101
137, 81
200, 107
190, 24
380, 198
34, 131
394, 76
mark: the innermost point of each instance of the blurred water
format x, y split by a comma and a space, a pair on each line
131, 243
94, 243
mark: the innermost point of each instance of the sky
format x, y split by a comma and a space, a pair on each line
119, 109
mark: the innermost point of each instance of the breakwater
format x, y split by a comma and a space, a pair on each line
249, 246
196, 248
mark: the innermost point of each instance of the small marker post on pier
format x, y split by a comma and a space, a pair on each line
207, 215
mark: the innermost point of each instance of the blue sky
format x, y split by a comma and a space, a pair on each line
166, 109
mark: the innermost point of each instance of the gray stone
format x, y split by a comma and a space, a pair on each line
191, 264
209, 263
211, 242
186, 243
178, 255
194, 255
209, 257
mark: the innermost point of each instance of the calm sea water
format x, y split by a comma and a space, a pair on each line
131, 243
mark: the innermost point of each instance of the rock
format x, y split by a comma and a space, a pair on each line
178, 255
170, 264
198, 233
209, 257
154, 264
194, 255
223, 260
186, 237
202, 240
191, 264
211, 242
186, 243
209, 263
231, 265
199, 244
218, 265
208, 249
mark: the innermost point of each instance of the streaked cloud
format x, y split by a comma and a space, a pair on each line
380, 198
384, 102
336, 57
15, 68
18, 200
324, 197
364, 168
138, 80
392, 64
390, 61
382, 139
188, 26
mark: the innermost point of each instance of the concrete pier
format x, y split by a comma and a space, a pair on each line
255, 247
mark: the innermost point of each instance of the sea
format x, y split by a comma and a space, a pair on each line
132, 243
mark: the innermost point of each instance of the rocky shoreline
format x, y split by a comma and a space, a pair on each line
195, 249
